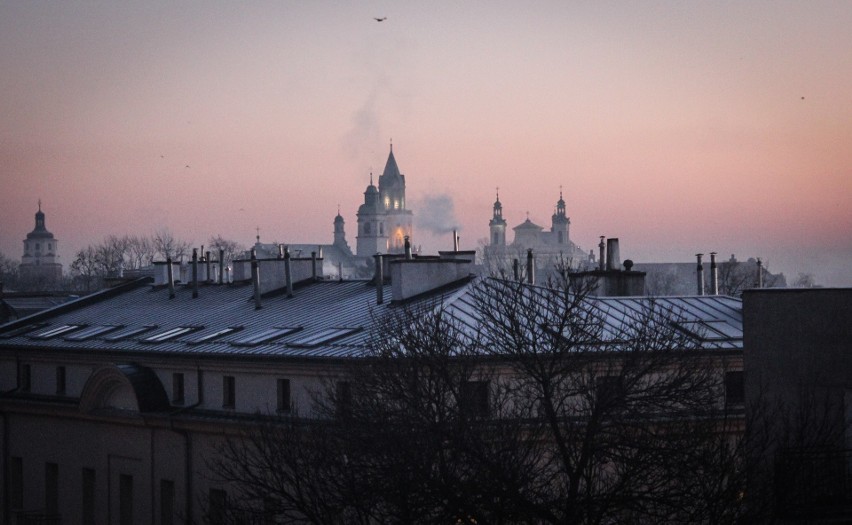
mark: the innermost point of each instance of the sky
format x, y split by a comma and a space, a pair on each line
678, 127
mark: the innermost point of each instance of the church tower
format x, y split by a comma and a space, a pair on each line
372, 237
398, 219
340, 234
497, 224
560, 222
39, 268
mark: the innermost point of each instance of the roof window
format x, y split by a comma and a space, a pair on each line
265, 336
92, 331
22, 330
57, 330
130, 332
713, 330
171, 334
215, 335
323, 336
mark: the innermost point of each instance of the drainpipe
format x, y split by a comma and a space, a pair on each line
380, 296
171, 277
530, 267
699, 279
288, 275
714, 275
255, 280
195, 273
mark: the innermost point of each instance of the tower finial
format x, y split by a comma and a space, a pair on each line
371, 176
560, 192
338, 208
258, 233
391, 144
498, 193
39, 204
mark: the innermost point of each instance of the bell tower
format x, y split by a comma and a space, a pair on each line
560, 222
497, 224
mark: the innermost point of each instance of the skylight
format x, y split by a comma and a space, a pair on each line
56, 330
323, 336
714, 330
265, 336
215, 335
92, 331
23, 330
130, 332
171, 334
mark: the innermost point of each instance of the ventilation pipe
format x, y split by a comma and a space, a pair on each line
455, 241
209, 269
380, 295
613, 258
699, 279
714, 275
314, 265
280, 251
408, 248
255, 280
602, 261
195, 273
530, 267
759, 273
288, 273
171, 277
221, 265
516, 267
340, 272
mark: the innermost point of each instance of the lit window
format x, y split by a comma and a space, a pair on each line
265, 336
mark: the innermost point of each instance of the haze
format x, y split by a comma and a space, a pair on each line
679, 127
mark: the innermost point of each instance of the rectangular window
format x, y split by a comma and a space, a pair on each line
16, 482
167, 502
218, 501
343, 401
474, 399
229, 396
177, 388
734, 388
51, 488
283, 395
125, 499
60, 380
88, 496
26, 378
91, 332
608, 391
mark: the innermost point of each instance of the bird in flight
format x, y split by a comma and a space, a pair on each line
380, 19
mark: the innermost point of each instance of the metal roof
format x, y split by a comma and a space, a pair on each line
330, 319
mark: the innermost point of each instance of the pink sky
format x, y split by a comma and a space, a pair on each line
679, 127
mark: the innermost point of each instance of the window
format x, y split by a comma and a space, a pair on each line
215, 335
16, 482
51, 488
26, 378
367, 228
323, 336
88, 496
60, 380
170, 334
177, 388
283, 395
608, 390
128, 333
125, 499
381, 228
474, 399
22, 330
343, 399
560, 237
265, 336
57, 330
92, 331
217, 500
734, 388
167, 502
228, 394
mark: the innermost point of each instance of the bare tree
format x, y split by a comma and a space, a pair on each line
523, 405
166, 245
231, 248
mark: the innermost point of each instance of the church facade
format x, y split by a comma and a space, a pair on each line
384, 222
40, 268
551, 248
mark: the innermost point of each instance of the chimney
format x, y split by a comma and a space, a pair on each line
530, 267
613, 259
714, 275
759, 273
314, 265
455, 241
195, 273
380, 296
171, 277
209, 269
407, 248
221, 265
516, 268
288, 274
602, 261
339, 272
280, 251
699, 274
255, 280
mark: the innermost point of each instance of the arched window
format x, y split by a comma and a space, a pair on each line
367, 227
381, 228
